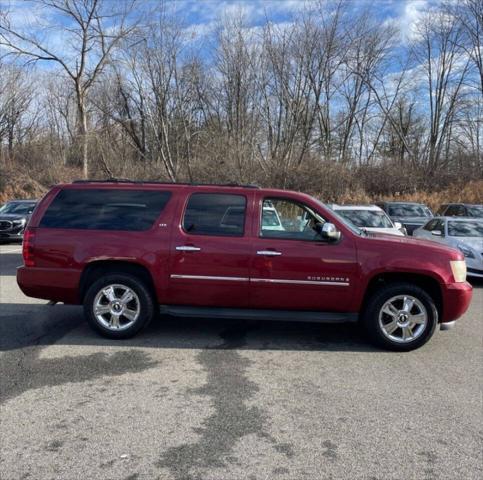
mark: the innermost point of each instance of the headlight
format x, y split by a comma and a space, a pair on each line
458, 267
466, 251
22, 221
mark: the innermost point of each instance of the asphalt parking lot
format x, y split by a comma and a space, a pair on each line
201, 399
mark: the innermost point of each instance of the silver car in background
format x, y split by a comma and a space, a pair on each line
460, 232
460, 210
369, 217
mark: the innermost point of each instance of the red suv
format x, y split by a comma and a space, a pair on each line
124, 248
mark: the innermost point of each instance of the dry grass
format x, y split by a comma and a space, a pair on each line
16, 183
471, 192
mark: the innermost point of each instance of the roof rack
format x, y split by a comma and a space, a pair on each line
195, 184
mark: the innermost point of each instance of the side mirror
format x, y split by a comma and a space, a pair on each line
329, 232
398, 225
438, 233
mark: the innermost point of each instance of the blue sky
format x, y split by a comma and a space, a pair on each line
200, 18
205, 13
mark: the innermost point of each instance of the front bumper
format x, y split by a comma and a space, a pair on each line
474, 272
474, 266
11, 235
456, 300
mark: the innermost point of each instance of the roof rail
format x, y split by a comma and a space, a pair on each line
195, 184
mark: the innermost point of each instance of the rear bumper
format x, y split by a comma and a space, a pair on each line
456, 300
50, 283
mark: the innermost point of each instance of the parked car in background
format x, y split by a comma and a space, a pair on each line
14, 216
460, 210
125, 249
411, 215
370, 218
466, 234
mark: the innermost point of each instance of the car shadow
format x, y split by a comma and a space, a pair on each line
26, 325
476, 282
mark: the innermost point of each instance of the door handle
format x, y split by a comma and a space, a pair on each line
187, 248
269, 253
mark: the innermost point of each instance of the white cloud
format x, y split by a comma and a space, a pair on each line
252, 10
412, 13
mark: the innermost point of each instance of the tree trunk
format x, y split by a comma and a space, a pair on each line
82, 132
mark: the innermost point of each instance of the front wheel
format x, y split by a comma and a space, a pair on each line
400, 317
118, 305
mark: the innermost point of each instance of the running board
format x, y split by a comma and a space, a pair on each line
252, 314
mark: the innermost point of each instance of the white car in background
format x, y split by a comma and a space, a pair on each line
235, 216
459, 232
271, 219
369, 217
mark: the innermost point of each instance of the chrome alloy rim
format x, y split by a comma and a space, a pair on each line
116, 307
403, 318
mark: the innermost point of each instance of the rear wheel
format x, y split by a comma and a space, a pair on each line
118, 305
400, 317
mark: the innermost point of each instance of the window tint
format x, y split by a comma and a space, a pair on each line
105, 209
439, 226
288, 220
455, 211
430, 226
215, 214
451, 211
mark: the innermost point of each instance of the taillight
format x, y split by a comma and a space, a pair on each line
28, 247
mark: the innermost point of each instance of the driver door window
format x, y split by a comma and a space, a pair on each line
287, 220
430, 226
440, 226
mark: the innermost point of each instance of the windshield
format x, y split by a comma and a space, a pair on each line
343, 220
367, 218
17, 208
465, 229
409, 210
475, 210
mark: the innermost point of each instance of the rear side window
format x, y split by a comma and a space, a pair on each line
215, 214
105, 209
456, 211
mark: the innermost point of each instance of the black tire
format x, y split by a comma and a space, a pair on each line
373, 328
145, 305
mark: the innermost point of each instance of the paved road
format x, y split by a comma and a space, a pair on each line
230, 400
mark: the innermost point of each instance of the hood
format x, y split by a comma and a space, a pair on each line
476, 243
411, 220
389, 231
414, 241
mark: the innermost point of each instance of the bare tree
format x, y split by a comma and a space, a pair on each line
16, 93
438, 49
93, 29
469, 14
